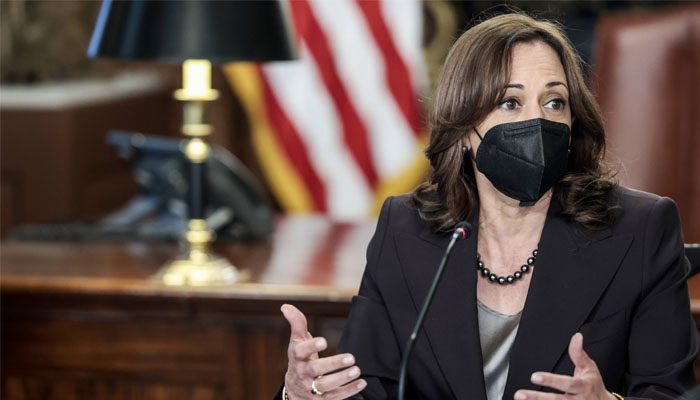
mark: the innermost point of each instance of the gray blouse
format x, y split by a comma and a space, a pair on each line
497, 333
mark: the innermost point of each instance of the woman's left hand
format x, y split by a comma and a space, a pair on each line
586, 384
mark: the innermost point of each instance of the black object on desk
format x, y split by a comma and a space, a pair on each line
236, 207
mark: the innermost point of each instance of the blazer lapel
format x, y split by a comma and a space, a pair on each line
451, 324
569, 277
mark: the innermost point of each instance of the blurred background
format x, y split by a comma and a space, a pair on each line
58, 105
94, 194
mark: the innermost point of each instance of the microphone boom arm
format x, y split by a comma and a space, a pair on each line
462, 230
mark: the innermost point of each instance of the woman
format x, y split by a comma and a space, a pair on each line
569, 283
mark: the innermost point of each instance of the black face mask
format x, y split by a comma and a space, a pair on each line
524, 159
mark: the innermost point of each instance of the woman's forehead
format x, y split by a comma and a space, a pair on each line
535, 63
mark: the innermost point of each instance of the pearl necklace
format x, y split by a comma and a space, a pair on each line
501, 280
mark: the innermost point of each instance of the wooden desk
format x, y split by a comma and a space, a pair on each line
84, 321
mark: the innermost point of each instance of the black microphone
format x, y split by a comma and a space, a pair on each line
462, 231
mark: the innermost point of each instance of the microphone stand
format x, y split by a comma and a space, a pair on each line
462, 230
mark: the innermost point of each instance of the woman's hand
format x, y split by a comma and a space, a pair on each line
586, 384
306, 367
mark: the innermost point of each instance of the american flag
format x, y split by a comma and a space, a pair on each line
341, 128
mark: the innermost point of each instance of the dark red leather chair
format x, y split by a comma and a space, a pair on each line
646, 75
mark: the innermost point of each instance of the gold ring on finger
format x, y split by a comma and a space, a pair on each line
314, 389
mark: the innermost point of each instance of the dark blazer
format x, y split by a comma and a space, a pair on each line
624, 288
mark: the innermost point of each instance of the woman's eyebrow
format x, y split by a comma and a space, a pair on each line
548, 86
556, 83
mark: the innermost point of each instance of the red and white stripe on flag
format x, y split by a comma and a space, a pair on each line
341, 128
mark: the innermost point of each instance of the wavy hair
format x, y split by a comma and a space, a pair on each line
472, 83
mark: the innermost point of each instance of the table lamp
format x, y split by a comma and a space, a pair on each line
195, 33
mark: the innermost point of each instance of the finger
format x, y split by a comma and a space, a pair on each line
346, 391
304, 350
535, 395
564, 383
297, 321
326, 365
578, 356
331, 382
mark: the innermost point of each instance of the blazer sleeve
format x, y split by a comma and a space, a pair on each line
663, 339
368, 333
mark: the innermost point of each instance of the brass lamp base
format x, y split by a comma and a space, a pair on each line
199, 267
200, 270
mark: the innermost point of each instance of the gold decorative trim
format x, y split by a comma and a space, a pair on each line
197, 150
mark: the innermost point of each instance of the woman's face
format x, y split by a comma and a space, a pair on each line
537, 89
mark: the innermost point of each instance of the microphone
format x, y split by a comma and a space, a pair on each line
461, 231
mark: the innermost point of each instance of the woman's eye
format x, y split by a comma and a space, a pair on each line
556, 104
509, 104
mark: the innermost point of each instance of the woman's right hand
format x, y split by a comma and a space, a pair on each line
305, 366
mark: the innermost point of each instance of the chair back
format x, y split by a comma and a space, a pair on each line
646, 75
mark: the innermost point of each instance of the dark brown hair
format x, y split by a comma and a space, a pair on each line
472, 83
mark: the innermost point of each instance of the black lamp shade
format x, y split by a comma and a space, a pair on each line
174, 31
